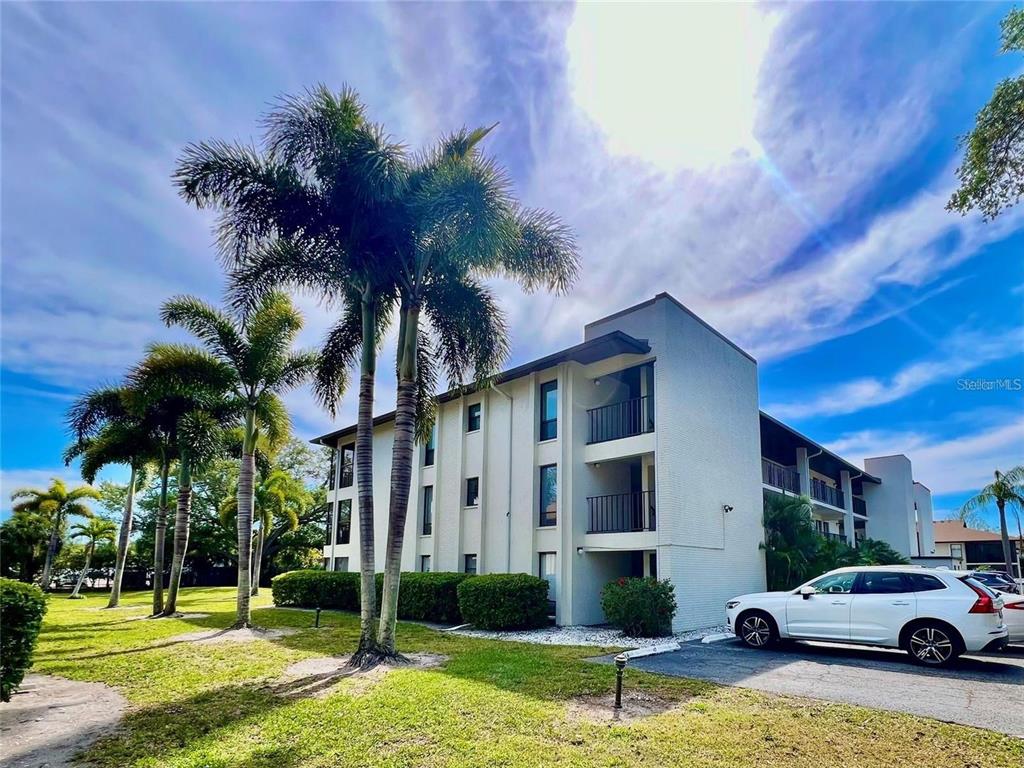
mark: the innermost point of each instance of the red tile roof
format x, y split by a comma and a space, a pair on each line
954, 531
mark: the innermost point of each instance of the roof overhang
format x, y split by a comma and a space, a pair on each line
832, 464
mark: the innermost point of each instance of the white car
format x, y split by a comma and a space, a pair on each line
1013, 615
933, 614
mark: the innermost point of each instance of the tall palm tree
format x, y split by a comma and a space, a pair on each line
459, 224
1006, 490
56, 504
191, 389
257, 351
94, 530
311, 211
110, 429
277, 497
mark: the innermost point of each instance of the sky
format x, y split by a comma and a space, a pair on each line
780, 169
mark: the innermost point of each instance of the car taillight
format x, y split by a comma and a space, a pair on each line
1015, 606
984, 603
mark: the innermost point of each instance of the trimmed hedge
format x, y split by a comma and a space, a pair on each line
21, 615
316, 589
421, 596
640, 607
504, 601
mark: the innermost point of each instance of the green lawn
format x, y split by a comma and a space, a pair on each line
490, 704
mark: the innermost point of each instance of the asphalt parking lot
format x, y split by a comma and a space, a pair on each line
983, 691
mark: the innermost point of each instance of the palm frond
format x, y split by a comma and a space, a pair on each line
211, 326
542, 253
275, 424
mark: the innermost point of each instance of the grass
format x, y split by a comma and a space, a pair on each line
490, 704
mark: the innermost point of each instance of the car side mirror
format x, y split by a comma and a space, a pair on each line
806, 592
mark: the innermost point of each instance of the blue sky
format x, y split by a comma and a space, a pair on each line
781, 169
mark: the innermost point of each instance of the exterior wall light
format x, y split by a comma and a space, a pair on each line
727, 508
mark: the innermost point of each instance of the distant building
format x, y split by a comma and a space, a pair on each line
972, 548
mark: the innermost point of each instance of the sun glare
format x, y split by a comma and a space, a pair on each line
673, 84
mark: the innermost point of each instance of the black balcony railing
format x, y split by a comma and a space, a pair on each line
826, 494
622, 419
621, 512
833, 536
780, 477
859, 507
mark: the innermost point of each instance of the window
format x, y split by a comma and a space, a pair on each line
341, 564
331, 479
652, 563
547, 569
344, 524
470, 564
549, 410
836, 583
882, 583
549, 495
473, 418
348, 460
922, 582
327, 563
957, 551
330, 524
424, 563
428, 449
428, 510
472, 491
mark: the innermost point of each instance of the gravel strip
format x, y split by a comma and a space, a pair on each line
602, 637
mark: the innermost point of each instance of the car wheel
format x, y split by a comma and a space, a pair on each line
932, 645
757, 629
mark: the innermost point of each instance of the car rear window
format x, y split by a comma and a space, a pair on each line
922, 582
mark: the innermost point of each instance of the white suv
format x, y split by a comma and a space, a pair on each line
933, 614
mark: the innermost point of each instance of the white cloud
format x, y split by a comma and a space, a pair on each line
962, 352
945, 465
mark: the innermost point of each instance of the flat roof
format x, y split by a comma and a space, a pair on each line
608, 345
798, 437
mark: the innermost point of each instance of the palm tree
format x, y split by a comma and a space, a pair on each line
790, 542
190, 390
56, 504
278, 496
110, 429
257, 351
94, 530
311, 211
1006, 489
459, 223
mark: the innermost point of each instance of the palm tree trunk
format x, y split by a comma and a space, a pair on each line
122, 541
51, 552
181, 526
257, 562
401, 478
366, 651
85, 569
159, 537
1005, 534
246, 475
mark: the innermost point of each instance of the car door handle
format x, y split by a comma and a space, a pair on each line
838, 602
901, 602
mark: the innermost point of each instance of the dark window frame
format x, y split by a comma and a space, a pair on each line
859, 587
474, 415
348, 465
465, 564
425, 560
430, 450
547, 519
472, 499
427, 516
548, 422
342, 535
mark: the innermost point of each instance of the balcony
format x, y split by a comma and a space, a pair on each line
859, 507
826, 494
778, 476
622, 419
841, 538
621, 513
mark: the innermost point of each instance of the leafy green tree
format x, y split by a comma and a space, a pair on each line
1006, 490
110, 427
55, 504
790, 542
23, 539
256, 352
191, 388
94, 530
992, 172
313, 210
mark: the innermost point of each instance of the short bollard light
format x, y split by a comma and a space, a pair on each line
620, 666
317, 625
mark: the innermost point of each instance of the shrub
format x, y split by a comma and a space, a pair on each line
428, 596
640, 607
21, 614
312, 589
504, 601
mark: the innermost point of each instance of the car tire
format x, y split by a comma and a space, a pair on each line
932, 644
756, 629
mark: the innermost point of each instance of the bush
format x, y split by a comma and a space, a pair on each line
427, 596
421, 596
640, 607
504, 601
21, 614
316, 589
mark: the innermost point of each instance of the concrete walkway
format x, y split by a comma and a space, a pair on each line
50, 719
